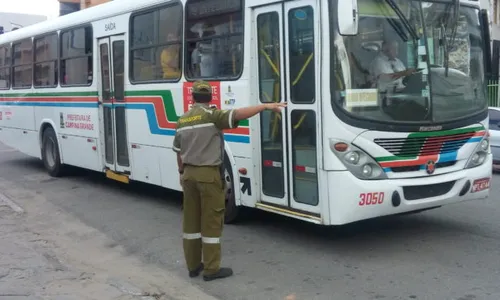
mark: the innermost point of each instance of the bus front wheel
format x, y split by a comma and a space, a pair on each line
50, 153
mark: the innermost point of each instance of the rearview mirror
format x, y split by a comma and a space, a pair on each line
347, 15
485, 28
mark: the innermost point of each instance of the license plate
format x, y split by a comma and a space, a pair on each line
480, 184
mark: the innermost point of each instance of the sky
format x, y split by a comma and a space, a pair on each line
49, 8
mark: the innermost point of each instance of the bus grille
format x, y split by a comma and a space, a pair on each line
427, 191
422, 146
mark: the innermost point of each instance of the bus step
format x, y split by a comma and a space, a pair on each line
116, 176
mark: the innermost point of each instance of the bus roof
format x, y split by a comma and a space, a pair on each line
84, 16
102, 11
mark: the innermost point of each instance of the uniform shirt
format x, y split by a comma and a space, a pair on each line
199, 138
383, 65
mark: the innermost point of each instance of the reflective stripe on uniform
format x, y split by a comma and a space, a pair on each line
176, 149
192, 236
210, 240
231, 118
196, 126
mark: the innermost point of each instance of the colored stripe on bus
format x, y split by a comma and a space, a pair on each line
389, 162
158, 105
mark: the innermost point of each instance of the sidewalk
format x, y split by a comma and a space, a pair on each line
47, 254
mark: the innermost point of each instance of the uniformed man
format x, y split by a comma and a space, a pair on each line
199, 144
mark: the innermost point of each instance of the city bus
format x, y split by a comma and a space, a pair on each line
386, 99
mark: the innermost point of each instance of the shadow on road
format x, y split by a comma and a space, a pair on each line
362, 235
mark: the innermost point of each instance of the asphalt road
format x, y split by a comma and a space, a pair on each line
448, 253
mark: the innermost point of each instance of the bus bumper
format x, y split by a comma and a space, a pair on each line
352, 199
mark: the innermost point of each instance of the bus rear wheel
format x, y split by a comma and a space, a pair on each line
233, 212
50, 153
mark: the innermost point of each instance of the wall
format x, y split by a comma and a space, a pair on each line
89, 3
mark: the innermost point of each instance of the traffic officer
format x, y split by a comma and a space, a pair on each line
199, 144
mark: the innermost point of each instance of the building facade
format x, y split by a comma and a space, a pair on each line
13, 21
69, 6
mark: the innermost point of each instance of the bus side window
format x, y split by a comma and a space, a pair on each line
214, 38
22, 64
155, 45
5, 67
46, 61
76, 56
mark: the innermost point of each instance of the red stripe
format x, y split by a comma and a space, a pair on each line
300, 168
159, 107
161, 115
408, 163
43, 99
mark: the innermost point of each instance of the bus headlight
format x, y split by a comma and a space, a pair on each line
479, 155
357, 161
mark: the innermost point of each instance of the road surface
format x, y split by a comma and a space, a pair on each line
448, 253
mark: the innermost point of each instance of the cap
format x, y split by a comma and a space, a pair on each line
202, 87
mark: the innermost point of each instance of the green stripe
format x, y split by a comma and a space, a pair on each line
394, 158
410, 144
166, 95
168, 101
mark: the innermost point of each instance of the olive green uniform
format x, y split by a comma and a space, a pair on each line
199, 140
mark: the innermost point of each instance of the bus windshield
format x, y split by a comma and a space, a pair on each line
411, 62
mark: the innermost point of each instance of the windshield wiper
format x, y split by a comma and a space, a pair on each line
403, 19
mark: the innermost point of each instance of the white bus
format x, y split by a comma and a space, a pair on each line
102, 89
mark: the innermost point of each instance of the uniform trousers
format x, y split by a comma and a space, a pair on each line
204, 207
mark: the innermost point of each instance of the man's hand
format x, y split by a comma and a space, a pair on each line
410, 71
276, 106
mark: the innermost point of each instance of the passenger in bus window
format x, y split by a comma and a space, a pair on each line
170, 59
387, 69
208, 62
195, 60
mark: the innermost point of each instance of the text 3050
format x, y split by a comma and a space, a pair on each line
372, 198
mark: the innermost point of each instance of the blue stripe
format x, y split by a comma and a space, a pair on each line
150, 113
149, 108
447, 157
155, 129
475, 139
52, 104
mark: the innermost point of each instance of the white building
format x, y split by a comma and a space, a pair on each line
12, 21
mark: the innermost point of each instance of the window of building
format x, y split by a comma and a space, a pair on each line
22, 64
5, 67
156, 45
214, 39
76, 57
46, 61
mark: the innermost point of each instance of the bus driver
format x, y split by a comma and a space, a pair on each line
388, 70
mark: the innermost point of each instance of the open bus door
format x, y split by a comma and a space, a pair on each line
112, 106
286, 54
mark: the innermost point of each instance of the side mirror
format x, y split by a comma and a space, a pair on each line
347, 15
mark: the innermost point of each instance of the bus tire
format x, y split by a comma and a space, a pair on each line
50, 153
233, 212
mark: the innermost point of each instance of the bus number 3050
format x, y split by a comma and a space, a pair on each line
373, 198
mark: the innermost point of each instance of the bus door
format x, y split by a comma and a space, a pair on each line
286, 35
112, 103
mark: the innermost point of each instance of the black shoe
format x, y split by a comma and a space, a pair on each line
197, 271
222, 273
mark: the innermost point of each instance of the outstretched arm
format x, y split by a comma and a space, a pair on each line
248, 112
